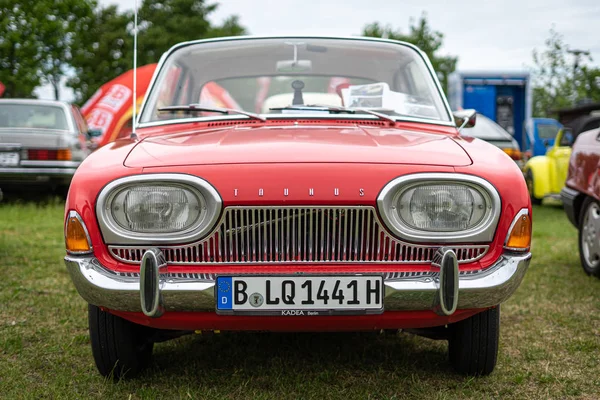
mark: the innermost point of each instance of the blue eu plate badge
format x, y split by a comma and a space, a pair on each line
224, 293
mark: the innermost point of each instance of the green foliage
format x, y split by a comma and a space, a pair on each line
101, 52
19, 47
35, 46
560, 79
423, 36
64, 21
105, 50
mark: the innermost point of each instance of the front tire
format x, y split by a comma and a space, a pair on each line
120, 347
473, 343
589, 237
530, 188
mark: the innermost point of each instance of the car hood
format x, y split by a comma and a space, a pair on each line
298, 144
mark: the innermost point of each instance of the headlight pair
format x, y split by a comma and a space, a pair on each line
157, 208
436, 207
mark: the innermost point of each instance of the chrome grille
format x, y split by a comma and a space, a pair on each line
259, 235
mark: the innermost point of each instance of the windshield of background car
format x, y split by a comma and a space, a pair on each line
487, 129
547, 131
256, 75
32, 116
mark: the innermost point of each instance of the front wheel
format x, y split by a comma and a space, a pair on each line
589, 237
530, 188
120, 347
473, 343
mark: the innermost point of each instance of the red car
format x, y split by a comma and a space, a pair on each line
296, 184
581, 197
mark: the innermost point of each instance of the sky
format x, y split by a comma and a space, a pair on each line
485, 35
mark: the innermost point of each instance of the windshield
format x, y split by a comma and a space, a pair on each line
487, 129
32, 116
256, 75
547, 131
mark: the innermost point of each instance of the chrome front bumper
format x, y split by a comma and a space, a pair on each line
195, 292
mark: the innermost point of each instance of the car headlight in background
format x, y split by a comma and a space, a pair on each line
440, 208
157, 208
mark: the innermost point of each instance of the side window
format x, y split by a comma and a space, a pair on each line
79, 120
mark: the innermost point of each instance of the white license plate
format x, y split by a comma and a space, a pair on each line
9, 159
299, 295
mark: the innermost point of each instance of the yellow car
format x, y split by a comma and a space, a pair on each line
546, 175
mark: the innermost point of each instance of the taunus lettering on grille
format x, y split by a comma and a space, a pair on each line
254, 235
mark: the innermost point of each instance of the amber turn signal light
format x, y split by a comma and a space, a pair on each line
519, 234
515, 154
63, 154
77, 240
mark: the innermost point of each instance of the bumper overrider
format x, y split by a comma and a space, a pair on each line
154, 291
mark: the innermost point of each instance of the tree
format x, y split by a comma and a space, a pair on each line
63, 21
100, 53
106, 49
557, 83
19, 47
35, 45
421, 35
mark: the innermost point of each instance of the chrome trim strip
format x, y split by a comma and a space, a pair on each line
9, 171
483, 232
50, 163
295, 117
113, 233
195, 292
75, 214
523, 211
165, 55
334, 239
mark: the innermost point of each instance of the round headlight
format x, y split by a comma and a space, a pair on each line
157, 208
440, 208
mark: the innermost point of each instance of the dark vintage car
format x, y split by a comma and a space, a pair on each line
41, 141
296, 184
581, 197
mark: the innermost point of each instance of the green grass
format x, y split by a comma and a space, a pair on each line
550, 337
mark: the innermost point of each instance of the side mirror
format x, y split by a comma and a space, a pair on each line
465, 118
94, 133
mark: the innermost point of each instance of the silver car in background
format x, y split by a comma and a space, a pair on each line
41, 141
489, 131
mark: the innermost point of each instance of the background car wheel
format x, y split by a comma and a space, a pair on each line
589, 236
121, 348
473, 343
529, 181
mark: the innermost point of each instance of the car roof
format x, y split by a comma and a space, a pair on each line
35, 101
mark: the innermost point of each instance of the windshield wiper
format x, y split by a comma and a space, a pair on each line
336, 110
200, 108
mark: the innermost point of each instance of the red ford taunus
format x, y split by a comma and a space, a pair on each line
296, 184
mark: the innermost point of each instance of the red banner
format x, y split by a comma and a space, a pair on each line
111, 107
